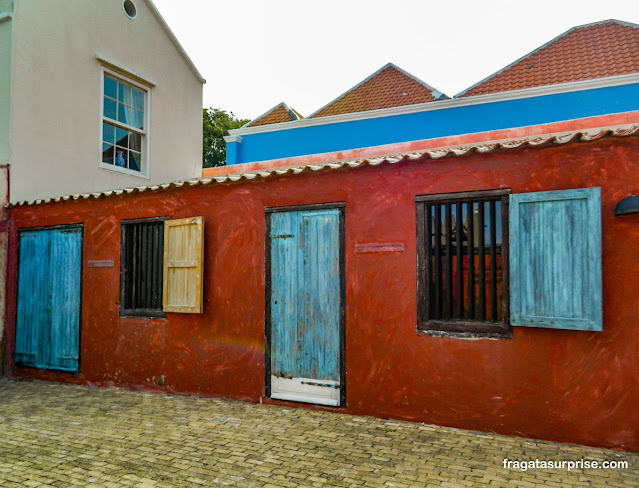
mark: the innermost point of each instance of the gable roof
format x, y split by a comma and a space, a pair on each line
177, 44
597, 50
390, 86
280, 113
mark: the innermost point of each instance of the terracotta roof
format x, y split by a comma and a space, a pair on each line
279, 113
585, 52
390, 86
586, 135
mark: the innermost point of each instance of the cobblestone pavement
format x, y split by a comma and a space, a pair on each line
63, 436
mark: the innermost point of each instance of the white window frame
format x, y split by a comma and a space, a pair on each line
144, 145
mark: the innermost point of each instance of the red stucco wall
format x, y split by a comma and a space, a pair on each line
560, 385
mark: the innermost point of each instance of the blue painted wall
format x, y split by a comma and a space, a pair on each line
432, 124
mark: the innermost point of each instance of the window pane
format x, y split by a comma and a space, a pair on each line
134, 161
110, 87
138, 99
121, 136
120, 157
498, 221
124, 93
124, 113
109, 108
125, 105
135, 141
436, 267
107, 153
108, 133
456, 263
487, 223
137, 119
496, 274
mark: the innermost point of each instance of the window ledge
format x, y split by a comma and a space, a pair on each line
142, 314
465, 329
126, 171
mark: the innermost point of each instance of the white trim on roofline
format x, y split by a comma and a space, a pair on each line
536, 50
237, 139
436, 93
177, 44
537, 91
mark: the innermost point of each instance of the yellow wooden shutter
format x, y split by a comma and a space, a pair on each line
183, 253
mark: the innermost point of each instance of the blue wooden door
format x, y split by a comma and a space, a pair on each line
48, 318
305, 301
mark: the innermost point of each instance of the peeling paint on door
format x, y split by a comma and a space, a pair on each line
305, 306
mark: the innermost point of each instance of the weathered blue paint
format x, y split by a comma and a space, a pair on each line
48, 319
451, 121
555, 259
33, 296
66, 247
305, 298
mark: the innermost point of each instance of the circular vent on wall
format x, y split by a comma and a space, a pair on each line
129, 9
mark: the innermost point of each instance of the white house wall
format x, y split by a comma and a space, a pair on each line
56, 119
5, 78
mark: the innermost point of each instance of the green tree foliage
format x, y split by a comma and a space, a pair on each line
217, 123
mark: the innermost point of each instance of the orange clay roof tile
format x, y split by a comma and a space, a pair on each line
279, 113
597, 50
388, 87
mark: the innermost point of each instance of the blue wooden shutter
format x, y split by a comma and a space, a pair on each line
66, 270
555, 259
33, 298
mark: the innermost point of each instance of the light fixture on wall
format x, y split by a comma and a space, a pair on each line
629, 205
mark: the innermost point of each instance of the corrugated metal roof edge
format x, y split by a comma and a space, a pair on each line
588, 135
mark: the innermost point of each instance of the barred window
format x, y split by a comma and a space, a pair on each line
462, 252
141, 265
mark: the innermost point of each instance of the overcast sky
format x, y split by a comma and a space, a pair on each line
255, 54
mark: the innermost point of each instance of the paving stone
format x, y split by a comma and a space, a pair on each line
56, 435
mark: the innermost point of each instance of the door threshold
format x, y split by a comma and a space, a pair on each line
306, 390
305, 399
